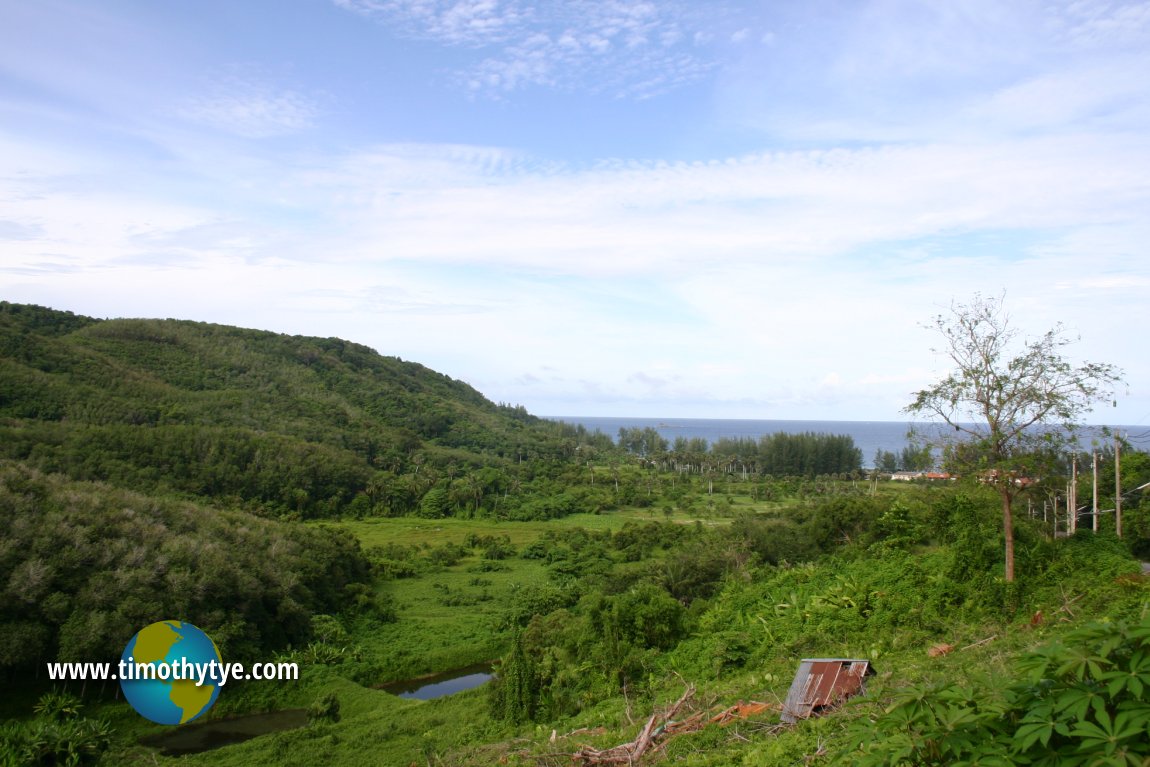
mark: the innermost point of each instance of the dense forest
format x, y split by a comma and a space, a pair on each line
87, 565
312, 500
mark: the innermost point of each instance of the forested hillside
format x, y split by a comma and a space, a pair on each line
317, 428
86, 565
293, 424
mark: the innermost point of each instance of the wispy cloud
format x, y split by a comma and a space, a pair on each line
15, 230
1094, 23
455, 22
632, 217
250, 108
621, 47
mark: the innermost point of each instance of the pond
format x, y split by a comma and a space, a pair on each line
197, 738
439, 685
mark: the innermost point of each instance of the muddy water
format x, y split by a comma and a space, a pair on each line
197, 738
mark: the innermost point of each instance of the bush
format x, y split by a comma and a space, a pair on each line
1080, 700
324, 709
58, 735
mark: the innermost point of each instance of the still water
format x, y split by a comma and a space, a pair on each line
197, 738
439, 685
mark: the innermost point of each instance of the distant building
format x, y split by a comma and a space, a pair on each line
908, 476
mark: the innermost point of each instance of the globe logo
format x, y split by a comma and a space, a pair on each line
160, 670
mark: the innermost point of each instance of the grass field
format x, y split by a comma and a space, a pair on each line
416, 531
447, 619
454, 616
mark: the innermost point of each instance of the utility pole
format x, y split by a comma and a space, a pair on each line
1117, 486
1095, 493
1072, 497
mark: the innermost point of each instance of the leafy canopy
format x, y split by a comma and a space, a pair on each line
1001, 394
1002, 386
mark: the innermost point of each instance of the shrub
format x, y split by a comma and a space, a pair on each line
1080, 700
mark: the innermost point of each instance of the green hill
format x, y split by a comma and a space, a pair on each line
290, 423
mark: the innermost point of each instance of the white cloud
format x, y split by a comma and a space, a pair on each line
618, 47
250, 109
632, 218
1055, 101
1101, 23
759, 282
456, 22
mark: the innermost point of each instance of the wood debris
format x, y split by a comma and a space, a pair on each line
981, 642
741, 711
662, 727
629, 753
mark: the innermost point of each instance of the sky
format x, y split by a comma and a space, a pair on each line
594, 207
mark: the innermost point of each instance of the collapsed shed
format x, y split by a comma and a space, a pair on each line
823, 682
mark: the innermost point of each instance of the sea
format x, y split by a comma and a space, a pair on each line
868, 436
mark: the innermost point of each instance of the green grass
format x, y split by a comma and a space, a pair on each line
417, 531
375, 728
431, 635
379, 729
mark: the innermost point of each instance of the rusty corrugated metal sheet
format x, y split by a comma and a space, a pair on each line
821, 682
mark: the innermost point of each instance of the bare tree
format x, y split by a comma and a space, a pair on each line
1007, 398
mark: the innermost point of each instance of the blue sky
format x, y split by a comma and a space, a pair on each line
597, 207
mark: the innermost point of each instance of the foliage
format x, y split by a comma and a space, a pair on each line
532, 541
84, 566
1083, 699
910, 458
514, 696
791, 455
1135, 465
1008, 397
298, 426
324, 709
58, 735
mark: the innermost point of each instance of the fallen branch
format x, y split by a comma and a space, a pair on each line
629, 753
660, 728
981, 642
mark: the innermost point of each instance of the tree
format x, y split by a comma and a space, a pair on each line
1007, 397
885, 460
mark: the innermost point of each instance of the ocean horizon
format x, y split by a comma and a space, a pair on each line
868, 436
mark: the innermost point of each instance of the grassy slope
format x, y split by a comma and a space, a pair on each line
377, 729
